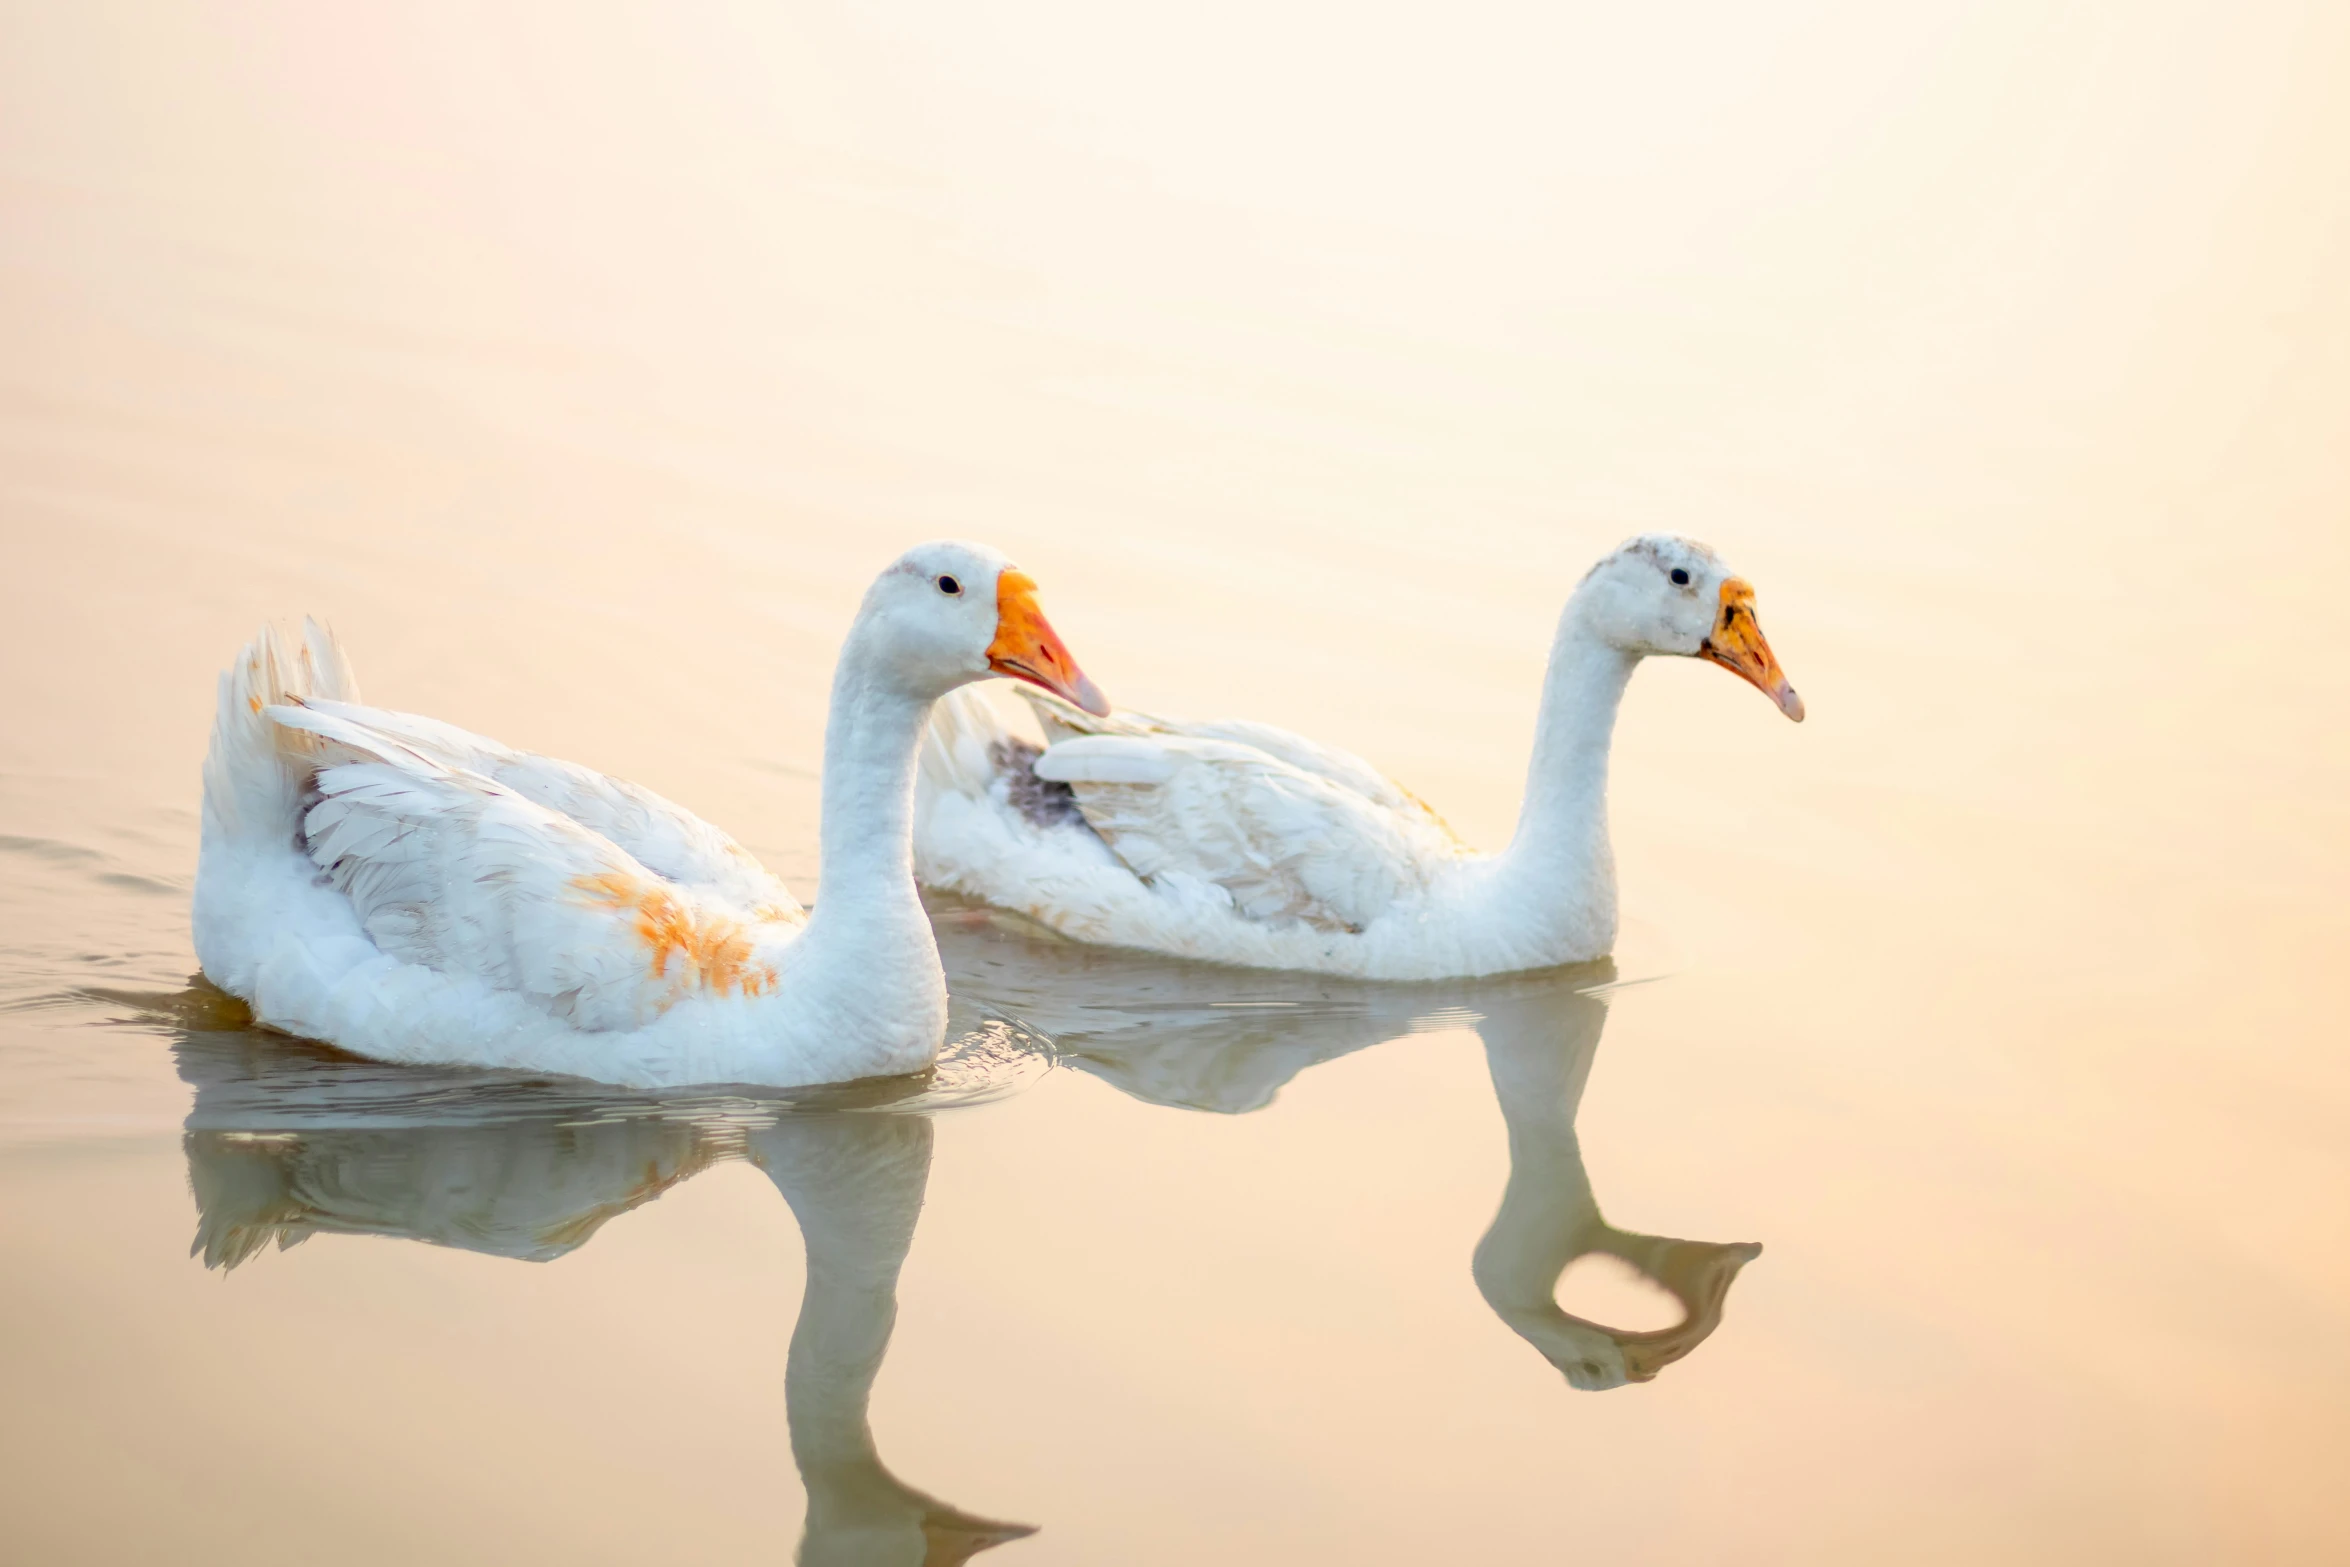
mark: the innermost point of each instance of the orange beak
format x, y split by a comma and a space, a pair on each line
1027, 648
1736, 643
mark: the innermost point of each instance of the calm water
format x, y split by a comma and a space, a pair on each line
1967, 1106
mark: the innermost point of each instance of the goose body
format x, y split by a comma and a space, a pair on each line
1241, 843
409, 891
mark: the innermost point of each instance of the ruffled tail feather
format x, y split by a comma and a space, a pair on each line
252, 777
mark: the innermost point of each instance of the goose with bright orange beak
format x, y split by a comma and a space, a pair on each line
411, 892
1027, 648
1235, 842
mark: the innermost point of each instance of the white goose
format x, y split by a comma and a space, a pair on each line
408, 891
1241, 843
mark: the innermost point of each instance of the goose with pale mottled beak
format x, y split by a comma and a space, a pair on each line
1236, 842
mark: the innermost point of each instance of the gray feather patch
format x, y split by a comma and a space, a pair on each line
1042, 801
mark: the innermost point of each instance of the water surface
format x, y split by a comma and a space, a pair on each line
582, 365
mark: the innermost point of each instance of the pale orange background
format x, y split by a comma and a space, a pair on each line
583, 361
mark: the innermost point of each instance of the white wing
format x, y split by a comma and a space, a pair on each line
1343, 768
1289, 829
458, 872
665, 838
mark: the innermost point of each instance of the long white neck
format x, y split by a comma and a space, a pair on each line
867, 907
1560, 855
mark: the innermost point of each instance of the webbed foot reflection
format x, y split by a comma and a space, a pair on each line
286, 1141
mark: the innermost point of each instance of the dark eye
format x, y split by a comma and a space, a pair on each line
1680, 578
949, 586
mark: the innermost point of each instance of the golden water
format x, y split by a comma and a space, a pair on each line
581, 363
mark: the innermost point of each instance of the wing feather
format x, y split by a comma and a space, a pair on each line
1062, 721
459, 872
664, 837
1284, 841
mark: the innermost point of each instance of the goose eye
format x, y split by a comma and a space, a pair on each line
1680, 578
949, 586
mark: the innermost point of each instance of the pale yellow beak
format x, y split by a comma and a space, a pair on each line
1736, 643
1027, 648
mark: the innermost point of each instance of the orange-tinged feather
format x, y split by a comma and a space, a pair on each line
691, 948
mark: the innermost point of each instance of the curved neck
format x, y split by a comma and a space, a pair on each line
871, 740
1562, 839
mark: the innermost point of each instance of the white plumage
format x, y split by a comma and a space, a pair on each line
1289, 830
412, 892
1241, 843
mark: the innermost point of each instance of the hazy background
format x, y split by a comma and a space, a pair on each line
582, 362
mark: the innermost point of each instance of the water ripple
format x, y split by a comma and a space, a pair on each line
251, 1079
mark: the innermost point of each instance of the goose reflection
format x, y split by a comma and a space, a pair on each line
1539, 1047
1219, 1039
288, 1140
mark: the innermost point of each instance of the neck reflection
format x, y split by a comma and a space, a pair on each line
1228, 1040
286, 1141
1539, 1048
